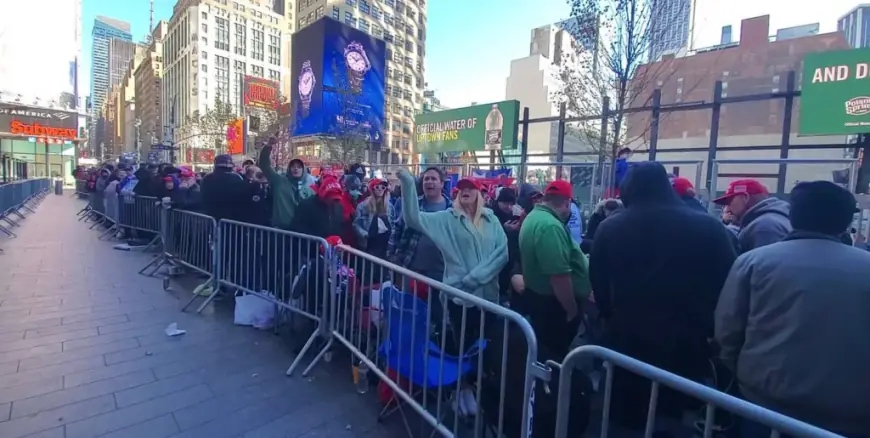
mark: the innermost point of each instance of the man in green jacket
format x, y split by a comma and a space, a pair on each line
287, 191
555, 271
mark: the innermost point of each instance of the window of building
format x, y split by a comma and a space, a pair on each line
348, 16
204, 16
319, 11
408, 78
257, 71
410, 12
391, 2
409, 29
222, 40
400, 6
275, 75
389, 53
335, 12
420, 49
241, 39
388, 37
376, 12
409, 46
204, 28
364, 7
350, 2
377, 31
364, 25
399, 41
222, 78
257, 49
409, 62
388, 18
274, 50
238, 79
204, 56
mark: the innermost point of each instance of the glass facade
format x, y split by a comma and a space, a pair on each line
856, 27
20, 155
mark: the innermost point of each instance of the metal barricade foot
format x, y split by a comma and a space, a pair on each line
308, 344
197, 295
111, 231
156, 263
7, 231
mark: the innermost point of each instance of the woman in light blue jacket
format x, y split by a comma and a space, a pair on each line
470, 237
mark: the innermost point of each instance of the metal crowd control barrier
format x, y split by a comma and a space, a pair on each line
290, 270
714, 399
136, 213
431, 343
188, 241
20, 197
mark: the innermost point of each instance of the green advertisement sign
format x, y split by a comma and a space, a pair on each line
835, 93
488, 127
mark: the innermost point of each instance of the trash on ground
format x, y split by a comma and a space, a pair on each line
173, 330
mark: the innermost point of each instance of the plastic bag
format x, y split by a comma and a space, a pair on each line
254, 311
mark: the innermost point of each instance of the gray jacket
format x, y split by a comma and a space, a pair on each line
764, 223
792, 323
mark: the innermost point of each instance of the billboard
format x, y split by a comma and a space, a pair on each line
339, 78
236, 137
488, 127
835, 93
261, 93
38, 122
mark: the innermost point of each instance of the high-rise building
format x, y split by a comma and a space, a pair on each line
149, 83
535, 82
402, 24
671, 27
105, 30
855, 24
209, 48
727, 35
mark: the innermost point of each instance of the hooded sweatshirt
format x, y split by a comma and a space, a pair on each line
287, 191
764, 223
473, 257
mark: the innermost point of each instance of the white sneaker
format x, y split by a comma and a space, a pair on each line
466, 398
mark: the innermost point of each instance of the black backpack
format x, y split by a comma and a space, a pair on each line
545, 395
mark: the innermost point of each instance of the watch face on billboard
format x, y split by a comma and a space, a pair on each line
339, 83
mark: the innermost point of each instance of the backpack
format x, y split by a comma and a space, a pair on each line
544, 395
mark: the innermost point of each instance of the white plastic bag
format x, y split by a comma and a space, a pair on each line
254, 311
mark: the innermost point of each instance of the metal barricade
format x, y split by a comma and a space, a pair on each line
432, 344
714, 399
290, 270
139, 213
188, 241
17, 198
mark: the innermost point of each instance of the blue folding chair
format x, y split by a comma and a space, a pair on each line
410, 352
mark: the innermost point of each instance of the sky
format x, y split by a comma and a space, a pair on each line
470, 43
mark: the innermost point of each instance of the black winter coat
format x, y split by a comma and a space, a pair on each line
225, 195
316, 218
656, 270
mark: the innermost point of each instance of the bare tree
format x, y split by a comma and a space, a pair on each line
209, 129
612, 41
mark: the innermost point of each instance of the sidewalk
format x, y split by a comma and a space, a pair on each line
83, 353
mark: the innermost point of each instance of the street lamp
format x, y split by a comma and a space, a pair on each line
137, 124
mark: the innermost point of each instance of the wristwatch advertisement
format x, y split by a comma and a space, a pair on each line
306, 87
358, 65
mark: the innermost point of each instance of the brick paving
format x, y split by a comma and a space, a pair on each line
83, 353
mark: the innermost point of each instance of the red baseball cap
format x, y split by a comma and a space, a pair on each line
330, 189
468, 183
682, 185
741, 186
376, 182
559, 187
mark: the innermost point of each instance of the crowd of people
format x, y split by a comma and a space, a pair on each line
767, 298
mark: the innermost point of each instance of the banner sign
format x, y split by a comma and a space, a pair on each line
835, 93
236, 137
488, 127
261, 93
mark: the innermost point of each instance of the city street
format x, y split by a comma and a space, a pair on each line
83, 353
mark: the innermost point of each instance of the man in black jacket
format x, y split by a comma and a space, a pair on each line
656, 271
224, 192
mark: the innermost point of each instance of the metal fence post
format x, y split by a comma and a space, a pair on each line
524, 146
602, 146
786, 131
654, 124
714, 134
560, 146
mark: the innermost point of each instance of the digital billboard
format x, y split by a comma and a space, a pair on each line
339, 80
488, 127
835, 93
